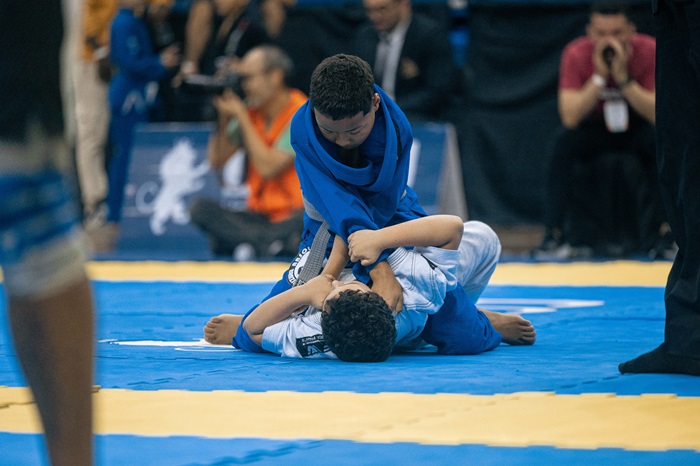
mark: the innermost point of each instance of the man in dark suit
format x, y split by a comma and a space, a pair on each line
678, 159
410, 55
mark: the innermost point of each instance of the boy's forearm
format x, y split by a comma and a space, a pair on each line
385, 284
443, 231
276, 309
382, 271
338, 258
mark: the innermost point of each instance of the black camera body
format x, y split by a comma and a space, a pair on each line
608, 54
213, 85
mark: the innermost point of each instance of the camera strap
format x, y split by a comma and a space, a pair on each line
235, 38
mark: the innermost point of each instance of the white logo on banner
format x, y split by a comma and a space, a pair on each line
179, 177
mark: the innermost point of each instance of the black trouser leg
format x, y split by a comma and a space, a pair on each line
678, 146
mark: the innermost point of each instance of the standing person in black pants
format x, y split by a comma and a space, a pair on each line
678, 158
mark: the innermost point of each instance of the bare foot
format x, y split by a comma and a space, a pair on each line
514, 329
221, 329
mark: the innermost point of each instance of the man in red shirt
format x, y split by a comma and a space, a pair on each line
607, 103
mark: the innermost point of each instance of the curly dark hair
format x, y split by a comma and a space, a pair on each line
342, 86
360, 327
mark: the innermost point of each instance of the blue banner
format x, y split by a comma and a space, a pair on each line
169, 170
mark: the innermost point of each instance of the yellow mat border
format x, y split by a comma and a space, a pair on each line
588, 421
614, 273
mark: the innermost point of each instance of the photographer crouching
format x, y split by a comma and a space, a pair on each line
251, 147
607, 102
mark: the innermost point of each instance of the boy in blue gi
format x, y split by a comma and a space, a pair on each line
352, 146
346, 320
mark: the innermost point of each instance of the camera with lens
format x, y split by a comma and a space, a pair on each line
608, 54
213, 85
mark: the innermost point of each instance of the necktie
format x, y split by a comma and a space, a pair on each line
381, 58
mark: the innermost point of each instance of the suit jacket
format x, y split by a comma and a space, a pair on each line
425, 77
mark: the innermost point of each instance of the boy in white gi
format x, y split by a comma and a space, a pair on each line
327, 318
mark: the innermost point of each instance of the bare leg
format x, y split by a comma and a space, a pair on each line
514, 329
221, 329
54, 341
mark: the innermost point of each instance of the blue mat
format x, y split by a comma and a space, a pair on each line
577, 350
188, 451
148, 335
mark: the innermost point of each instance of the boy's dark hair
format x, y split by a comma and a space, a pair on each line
609, 7
360, 327
342, 86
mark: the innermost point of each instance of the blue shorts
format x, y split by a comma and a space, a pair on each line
459, 328
34, 210
41, 248
243, 341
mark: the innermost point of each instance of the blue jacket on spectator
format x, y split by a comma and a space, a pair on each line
132, 93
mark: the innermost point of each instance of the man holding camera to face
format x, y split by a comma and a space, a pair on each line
607, 103
253, 132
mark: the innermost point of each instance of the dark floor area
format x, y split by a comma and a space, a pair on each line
519, 240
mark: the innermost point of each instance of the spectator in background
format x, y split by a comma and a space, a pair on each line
606, 103
410, 55
162, 34
131, 96
259, 128
218, 33
270, 14
93, 71
233, 34
157, 15
49, 299
198, 28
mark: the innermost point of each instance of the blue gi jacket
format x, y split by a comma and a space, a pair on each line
351, 199
132, 52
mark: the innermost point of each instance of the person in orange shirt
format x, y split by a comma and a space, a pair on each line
258, 127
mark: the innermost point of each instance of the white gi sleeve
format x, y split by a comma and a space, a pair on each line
426, 274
